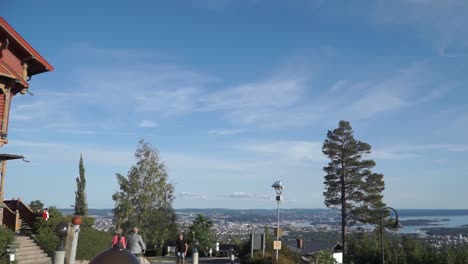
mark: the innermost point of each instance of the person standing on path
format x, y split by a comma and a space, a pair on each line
135, 243
118, 239
181, 248
45, 214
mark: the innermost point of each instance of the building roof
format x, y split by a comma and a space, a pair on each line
22, 49
311, 248
4, 156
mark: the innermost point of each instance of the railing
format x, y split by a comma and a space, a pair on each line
11, 219
24, 212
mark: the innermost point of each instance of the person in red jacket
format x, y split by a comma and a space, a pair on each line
45, 214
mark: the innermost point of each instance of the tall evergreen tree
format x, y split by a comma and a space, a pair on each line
81, 205
201, 230
350, 184
145, 198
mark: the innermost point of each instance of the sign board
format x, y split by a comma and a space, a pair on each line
276, 231
257, 240
277, 245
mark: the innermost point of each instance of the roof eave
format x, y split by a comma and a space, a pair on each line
25, 45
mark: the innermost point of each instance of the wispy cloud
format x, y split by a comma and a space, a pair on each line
226, 132
193, 195
147, 123
295, 150
167, 90
438, 22
375, 102
69, 152
179, 160
337, 86
414, 151
445, 52
247, 196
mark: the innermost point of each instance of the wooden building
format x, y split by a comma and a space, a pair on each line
18, 63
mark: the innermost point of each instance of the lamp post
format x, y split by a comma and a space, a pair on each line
195, 250
278, 186
61, 231
11, 250
395, 225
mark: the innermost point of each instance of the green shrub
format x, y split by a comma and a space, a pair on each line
6, 238
44, 231
91, 242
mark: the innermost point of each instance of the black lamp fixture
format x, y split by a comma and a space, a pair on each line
395, 225
61, 231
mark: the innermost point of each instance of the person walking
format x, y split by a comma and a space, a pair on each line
135, 243
118, 239
181, 249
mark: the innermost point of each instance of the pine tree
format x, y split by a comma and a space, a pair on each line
81, 205
145, 198
201, 230
350, 184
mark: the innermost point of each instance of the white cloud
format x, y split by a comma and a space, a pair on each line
61, 125
391, 155
376, 102
69, 152
164, 90
186, 161
226, 132
147, 123
247, 196
414, 151
290, 150
337, 86
438, 22
193, 195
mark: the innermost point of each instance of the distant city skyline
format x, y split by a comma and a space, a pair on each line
238, 94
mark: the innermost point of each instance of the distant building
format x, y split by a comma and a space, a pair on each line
308, 253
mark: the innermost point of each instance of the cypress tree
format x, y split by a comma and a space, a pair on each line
81, 205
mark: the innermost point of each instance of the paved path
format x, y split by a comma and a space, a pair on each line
171, 260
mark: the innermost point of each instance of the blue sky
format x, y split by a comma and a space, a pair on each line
238, 94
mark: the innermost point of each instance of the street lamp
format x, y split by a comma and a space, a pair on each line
11, 250
395, 225
278, 186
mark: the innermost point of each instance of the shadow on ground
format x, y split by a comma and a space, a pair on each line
170, 260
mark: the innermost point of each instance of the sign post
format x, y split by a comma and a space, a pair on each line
277, 245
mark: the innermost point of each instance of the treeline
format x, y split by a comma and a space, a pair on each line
364, 248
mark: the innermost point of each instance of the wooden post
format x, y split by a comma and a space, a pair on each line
6, 111
2, 181
68, 242
17, 221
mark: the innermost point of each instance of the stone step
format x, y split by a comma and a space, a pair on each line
22, 238
26, 242
28, 247
31, 256
36, 261
29, 252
